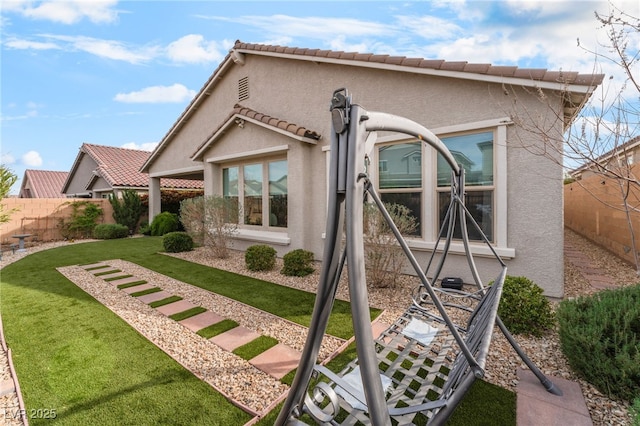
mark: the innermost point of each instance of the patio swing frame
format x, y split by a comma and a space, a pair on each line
457, 352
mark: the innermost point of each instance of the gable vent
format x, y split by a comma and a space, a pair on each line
243, 88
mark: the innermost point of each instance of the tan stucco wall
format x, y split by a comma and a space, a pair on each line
40, 217
593, 207
300, 91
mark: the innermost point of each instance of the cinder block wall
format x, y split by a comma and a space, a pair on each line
41, 216
593, 207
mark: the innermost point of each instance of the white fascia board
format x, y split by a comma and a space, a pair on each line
174, 173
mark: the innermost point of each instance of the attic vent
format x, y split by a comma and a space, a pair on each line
243, 88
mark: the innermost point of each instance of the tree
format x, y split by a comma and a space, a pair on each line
127, 211
598, 140
7, 179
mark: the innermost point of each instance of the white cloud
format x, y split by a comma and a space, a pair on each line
157, 94
7, 159
32, 159
65, 12
15, 43
147, 146
110, 49
193, 48
429, 27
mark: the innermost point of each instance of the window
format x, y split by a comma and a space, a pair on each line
261, 188
474, 152
403, 179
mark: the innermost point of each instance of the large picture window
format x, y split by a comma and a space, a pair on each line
261, 190
402, 177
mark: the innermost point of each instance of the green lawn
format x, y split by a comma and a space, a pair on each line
76, 357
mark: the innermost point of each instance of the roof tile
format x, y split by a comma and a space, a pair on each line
44, 183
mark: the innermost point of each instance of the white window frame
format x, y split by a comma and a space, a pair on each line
430, 219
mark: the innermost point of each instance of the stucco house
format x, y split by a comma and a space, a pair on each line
99, 171
259, 130
42, 184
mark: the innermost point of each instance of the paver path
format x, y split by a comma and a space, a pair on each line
209, 359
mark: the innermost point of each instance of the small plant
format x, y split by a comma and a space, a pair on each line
523, 308
127, 211
164, 223
109, 231
600, 336
260, 257
177, 242
297, 263
145, 229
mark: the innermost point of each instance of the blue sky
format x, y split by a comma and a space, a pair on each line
120, 73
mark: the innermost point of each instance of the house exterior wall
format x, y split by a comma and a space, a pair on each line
593, 207
299, 92
82, 174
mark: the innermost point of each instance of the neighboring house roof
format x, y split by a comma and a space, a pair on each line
42, 184
619, 150
240, 114
578, 87
120, 167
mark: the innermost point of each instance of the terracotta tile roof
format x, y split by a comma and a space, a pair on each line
43, 184
240, 111
120, 167
537, 74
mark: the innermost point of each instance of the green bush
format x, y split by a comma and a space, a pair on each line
523, 308
109, 231
260, 257
145, 229
176, 242
127, 210
297, 263
164, 223
600, 336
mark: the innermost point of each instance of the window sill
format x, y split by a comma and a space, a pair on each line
279, 238
456, 247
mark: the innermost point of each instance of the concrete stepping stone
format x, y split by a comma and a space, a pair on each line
277, 361
175, 307
378, 327
200, 321
105, 270
124, 281
114, 275
6, 387
536, 406
152, 297
234, 338
137, 288
95, 265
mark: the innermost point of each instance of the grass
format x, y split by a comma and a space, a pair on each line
217, 328
119, 277
110, 271
165, 301
147, 291
132, 284
255, 347
179, 316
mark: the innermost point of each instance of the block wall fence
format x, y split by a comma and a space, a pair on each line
41, 216
593, 207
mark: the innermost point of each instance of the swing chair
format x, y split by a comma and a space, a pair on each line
420, 368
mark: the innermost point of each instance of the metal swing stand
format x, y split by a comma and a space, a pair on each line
352, 140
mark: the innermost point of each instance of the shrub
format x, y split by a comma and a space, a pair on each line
384, 257
84, 217
127, 211
164, 223
600, 336
297, 263
145, 229
211, 221
523, 308
109, 231
176, 242
260, 257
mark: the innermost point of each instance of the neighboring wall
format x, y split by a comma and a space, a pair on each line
593, 208
41, 216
